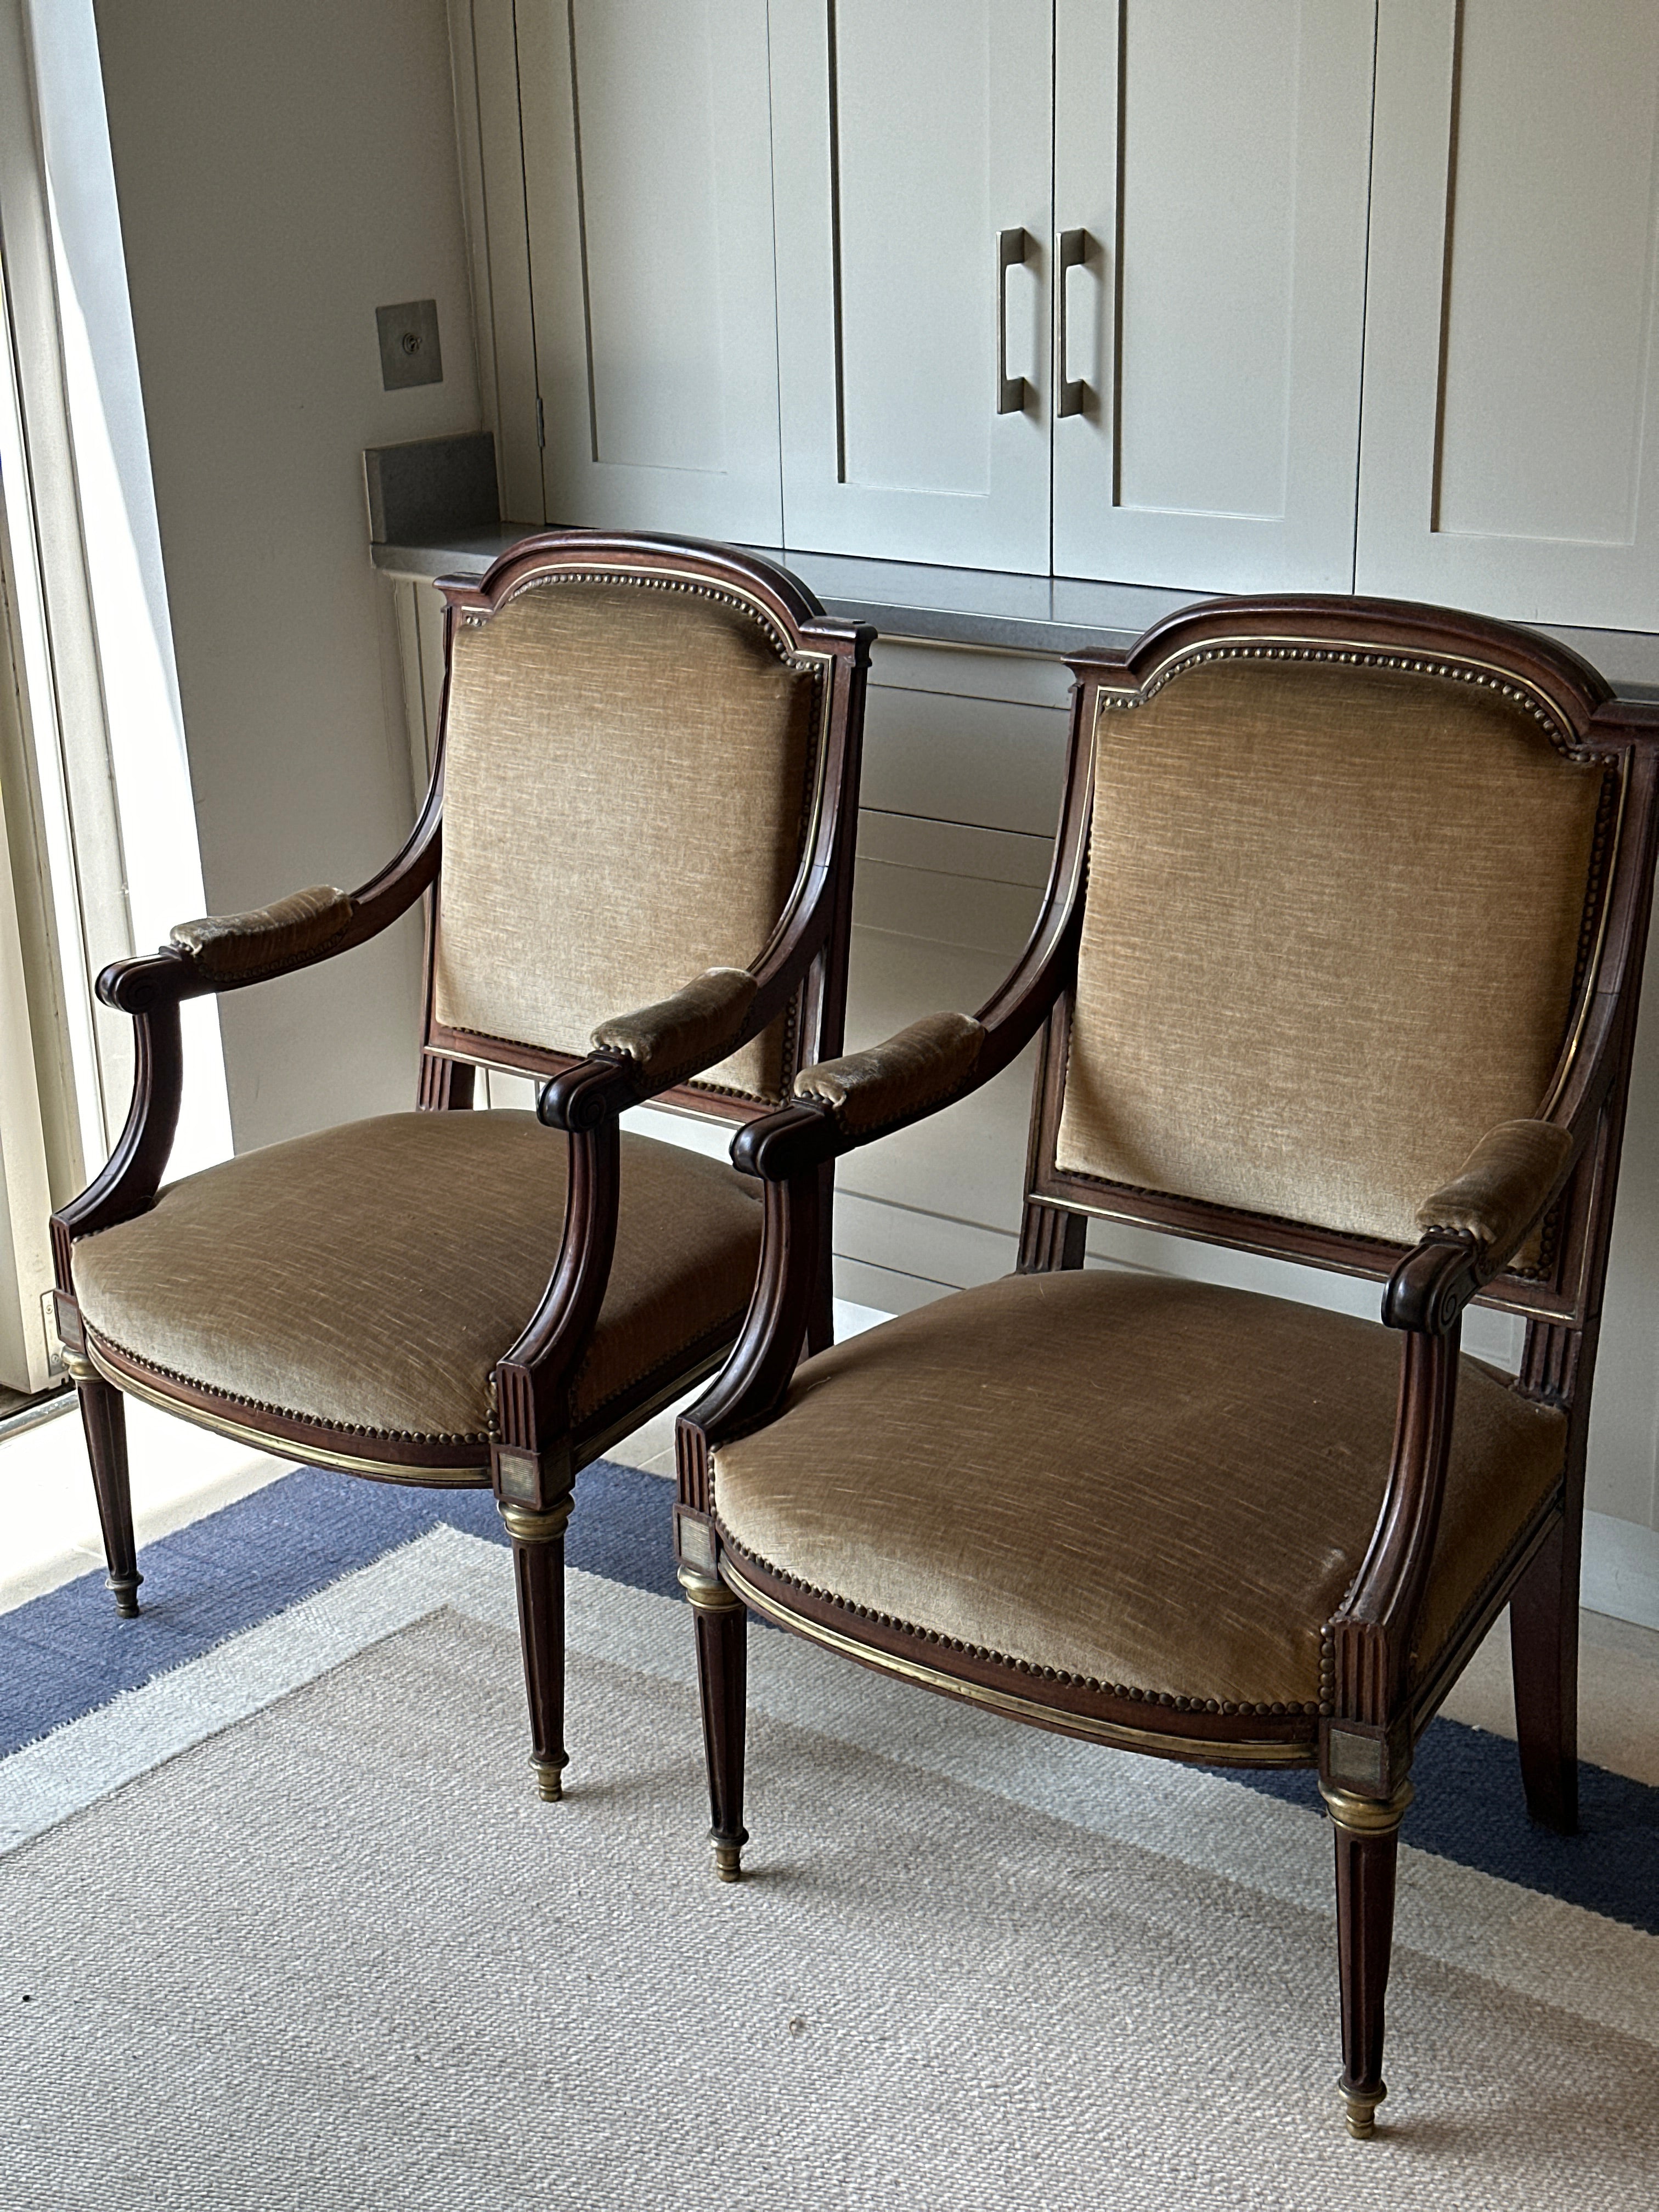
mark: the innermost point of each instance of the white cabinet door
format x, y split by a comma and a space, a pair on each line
1213, 155
647, 187
1511, 454
909, 138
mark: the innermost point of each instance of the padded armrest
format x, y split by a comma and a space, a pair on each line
677, 1037
226, 948
1502, 1186
919, 1068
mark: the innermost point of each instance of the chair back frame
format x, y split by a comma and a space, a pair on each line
812, 927
1584, 722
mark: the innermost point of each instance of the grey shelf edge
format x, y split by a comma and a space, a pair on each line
984, 610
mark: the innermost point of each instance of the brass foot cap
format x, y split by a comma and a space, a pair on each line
125, 1594
548, 1778
728, 1862
1361, 2106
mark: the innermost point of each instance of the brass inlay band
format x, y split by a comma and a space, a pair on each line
78, 1367
1365, 1816
707, 1593
525, 1526
1218, 1751
294, 1448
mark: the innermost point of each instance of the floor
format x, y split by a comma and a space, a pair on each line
49, 1534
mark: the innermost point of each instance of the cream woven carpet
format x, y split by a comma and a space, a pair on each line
324, 1949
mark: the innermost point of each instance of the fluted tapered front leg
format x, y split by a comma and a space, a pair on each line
103, 1417
722, 1676
538, 1566
1367, 1849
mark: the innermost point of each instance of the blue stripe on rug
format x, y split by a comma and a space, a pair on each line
68, 1652
65, 1654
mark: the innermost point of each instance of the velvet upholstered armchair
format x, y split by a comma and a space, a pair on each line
637, 855
1337, 964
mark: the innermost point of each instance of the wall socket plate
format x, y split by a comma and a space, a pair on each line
409, 352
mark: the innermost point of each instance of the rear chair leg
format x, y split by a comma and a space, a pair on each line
103, 1417
1367, 1848
722, 1675
1544, 1657
539, 1567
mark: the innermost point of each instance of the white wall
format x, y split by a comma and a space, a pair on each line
283, 171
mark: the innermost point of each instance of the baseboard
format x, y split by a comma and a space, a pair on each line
1621, 1569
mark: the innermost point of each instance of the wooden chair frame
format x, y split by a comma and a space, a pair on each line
801, 972
1362, 1741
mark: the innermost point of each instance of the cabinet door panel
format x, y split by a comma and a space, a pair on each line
1215, 152
907, 136
649, 188
1510, 454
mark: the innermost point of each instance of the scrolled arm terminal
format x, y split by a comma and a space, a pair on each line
919, 1068
679, 1036
228, 948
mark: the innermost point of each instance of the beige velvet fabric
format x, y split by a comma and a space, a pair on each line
1139, 1482
370, 1276
627, 778
1332, 923
1502, 1184
923, 1063
228, 946
677, 1035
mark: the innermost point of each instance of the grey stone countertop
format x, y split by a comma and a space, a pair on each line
986, 608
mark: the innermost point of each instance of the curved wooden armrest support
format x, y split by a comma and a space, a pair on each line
221, 953
128, 1182
226, 952
679, 1037
944, 1057
1371, 1633
1473, 1227
532, 1413
750, 1387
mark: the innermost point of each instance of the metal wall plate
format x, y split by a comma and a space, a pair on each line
409, 352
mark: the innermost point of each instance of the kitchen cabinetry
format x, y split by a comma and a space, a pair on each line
1210, 162
646, 135
913, 183
1086, 287
1509, 455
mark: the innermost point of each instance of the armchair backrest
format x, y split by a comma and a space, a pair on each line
1347, 900
642, 752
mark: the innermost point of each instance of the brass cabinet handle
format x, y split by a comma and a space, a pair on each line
1074, 394
1012, 248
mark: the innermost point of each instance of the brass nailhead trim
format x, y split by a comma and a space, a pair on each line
1411, 664
1130, 1692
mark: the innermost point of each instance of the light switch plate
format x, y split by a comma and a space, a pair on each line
409, 352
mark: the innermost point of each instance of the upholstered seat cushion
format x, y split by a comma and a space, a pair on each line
1140, 1483
370, 1276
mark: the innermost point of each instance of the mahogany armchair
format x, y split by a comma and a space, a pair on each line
639, 833
1338, 963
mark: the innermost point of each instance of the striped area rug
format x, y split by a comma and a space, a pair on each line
283, 1923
